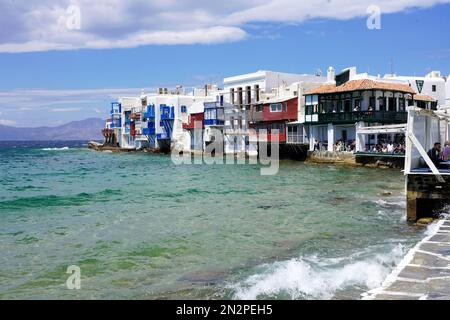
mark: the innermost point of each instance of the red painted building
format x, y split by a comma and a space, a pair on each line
274, 115
195, 127
194, 117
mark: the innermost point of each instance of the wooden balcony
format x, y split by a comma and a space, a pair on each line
365, 116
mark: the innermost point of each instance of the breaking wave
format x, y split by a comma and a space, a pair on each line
400, 204
318, 278
56, 149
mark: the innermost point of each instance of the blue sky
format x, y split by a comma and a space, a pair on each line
49, 78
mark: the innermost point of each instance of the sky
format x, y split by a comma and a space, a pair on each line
65, 60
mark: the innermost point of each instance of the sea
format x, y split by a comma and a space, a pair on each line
138, 226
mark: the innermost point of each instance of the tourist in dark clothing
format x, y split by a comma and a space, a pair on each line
435, 154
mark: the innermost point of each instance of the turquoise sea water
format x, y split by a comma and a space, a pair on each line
140, 227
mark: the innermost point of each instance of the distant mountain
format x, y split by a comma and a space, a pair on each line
89, 129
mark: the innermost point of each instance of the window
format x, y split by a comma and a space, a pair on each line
433, 88
401, 106
372, 103
259, 108
240, 96
357, 106
284, 106
183, 109
256, 92
392, 104
347, 106
315, 99
275, 107
248, 94
382, 103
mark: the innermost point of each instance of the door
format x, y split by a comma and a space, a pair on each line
344, 135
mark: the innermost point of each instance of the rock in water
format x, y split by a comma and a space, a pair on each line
424, 221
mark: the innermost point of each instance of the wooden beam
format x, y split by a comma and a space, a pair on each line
425, 156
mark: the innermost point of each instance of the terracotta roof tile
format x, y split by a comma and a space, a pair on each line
424, 97
362, 84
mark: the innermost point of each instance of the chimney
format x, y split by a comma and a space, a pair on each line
330, 75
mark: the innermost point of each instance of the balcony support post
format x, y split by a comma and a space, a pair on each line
331, 137
360, 138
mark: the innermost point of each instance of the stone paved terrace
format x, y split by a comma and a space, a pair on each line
424, 273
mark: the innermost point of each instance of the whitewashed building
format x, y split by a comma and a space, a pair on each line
244, 91
432, 84
156, 120
447, 91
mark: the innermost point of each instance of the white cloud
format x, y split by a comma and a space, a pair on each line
48, 106
42, 25
21, 100
65, 109
7, 122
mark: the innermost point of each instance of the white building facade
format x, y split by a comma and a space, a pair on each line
242, 92
156, 120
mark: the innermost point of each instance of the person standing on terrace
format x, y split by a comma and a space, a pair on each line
446, 152
435, 154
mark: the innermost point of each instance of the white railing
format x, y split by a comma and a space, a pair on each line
296, 138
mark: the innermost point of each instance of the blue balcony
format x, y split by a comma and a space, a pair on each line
116, 108
167, 113
162, 136
150, 113
214, 122
214, 114
148, 131
116, 123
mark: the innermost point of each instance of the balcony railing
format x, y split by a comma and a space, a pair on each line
214, 122
366, 116
296, 138
135, 116
255, 116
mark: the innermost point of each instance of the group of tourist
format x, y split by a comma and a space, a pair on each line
390, 147
345, 145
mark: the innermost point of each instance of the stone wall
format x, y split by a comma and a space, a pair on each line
426, 196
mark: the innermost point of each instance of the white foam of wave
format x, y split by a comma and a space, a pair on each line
432, 229
390, 204
56, 149
386, 215
303, 278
